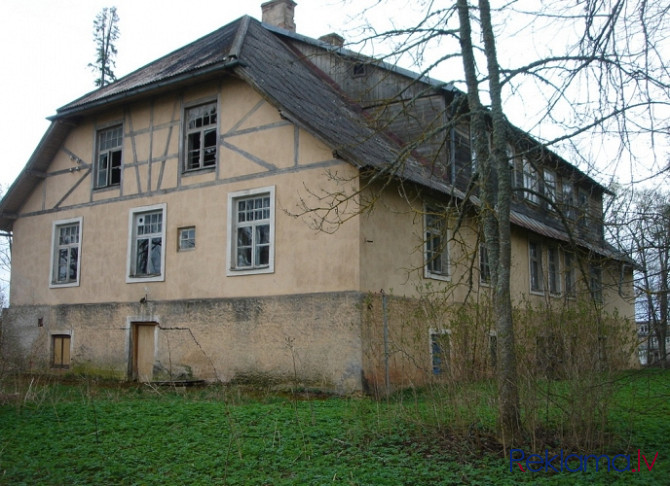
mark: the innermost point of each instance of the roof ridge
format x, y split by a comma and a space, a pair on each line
240, 35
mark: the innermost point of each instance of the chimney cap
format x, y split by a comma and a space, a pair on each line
279, 13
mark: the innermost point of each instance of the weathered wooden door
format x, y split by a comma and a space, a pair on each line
143, 351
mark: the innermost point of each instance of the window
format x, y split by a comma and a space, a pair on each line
187, 238
436, 247
596, 283
201, 137
146, 259
484, 268
66, 253
108, 157
440, 351
568, 200
583, 209
514, 183
359, 70
463, 154
553, 268
535, 256
251, 231
531, 182
569, 274
60, 350
550, 189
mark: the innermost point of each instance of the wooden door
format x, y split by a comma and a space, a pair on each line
143, 351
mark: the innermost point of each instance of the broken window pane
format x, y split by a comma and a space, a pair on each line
109, 148
201, 137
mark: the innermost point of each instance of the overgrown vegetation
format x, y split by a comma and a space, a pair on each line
88, 432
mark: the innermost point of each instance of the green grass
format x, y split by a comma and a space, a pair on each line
91, 434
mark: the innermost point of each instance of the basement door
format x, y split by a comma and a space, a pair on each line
143, 351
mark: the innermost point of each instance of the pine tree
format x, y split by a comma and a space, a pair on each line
105, 34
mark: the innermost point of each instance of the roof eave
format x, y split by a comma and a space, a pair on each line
226, 64
32, 173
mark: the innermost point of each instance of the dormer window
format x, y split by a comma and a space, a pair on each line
201, 137
550, 189
531, 182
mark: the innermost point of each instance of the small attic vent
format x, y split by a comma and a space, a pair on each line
359, 70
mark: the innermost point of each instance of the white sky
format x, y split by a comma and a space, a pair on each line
46, 46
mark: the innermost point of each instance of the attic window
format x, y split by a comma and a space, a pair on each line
201, 137
108, 162
359, 70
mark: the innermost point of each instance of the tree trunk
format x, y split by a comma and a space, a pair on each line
495, 195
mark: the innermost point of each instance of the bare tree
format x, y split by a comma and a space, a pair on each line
496, 197
596, 72
640, 225
105, 34
5, 262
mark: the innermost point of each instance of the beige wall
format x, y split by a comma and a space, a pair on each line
312, 307
259, 149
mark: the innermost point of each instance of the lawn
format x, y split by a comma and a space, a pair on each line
103, 433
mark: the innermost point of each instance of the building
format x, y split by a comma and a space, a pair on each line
246, 209
649, 348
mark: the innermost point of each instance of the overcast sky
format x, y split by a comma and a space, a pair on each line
46, 45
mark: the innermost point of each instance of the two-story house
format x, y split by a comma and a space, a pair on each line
263, 207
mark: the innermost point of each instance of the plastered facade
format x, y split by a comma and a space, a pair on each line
314, 320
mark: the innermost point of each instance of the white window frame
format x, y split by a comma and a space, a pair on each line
443, 234
550, 187
107, 152
183, 236
201, 131
568, 199
531, 182
233, 225
54, 249
132, 236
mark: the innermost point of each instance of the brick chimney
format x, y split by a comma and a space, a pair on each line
279, 13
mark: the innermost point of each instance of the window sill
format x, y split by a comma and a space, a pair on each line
54, 285
111, 187
145, 278
437, 276
234, 272
202, 170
